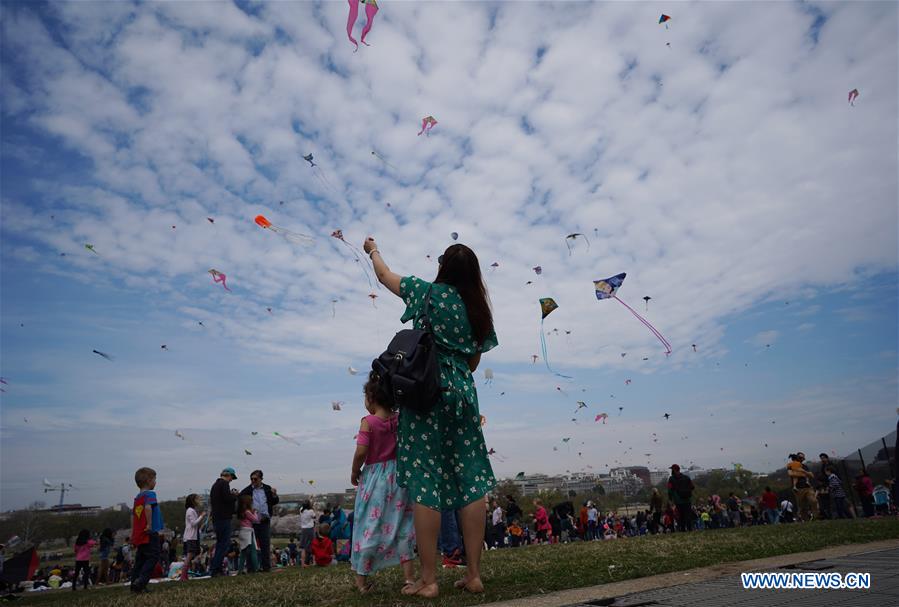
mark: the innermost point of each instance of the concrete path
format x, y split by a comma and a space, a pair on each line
720, 585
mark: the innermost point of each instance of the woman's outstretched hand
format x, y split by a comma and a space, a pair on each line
370, 245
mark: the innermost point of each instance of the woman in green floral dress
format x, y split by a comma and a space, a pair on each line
441, 456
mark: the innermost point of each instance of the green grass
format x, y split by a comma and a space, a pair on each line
508, 574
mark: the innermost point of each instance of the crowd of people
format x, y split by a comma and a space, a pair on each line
422, 472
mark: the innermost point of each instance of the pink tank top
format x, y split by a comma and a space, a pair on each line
380, 439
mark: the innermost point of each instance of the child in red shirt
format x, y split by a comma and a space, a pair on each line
322, 548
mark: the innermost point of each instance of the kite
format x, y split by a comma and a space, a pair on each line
427, 123
352, 371
179, 435
333, 308
534, 358
287, 438
694, 347
488, 376
294, 237
336, 405
566, 439
580, 405
620, 409
247, 452
357, 254
371, 9
373, 297
319, 174
537, 270
853, 95
219, 277
270, 311
382, 159
574, 237
90, 248
601, 416
667, 415
530, 282
606, 289
164, 347
210, 220
3, 381
627, 382
664, 19
646, 299
454, 236
559, 389
103, 354
254, 433
547, 305
200, 322
494, 265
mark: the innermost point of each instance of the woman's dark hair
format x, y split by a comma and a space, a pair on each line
83, 536
244, 503
307, 505
374, 390
108, 534
460, 268
191, 501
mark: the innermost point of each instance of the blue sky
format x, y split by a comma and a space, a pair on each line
729, 178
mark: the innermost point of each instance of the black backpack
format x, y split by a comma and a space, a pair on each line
408, 369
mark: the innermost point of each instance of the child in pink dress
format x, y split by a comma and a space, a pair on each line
383, 530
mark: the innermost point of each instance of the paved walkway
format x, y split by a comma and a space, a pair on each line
720, 585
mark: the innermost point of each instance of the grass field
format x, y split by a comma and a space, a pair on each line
508, 574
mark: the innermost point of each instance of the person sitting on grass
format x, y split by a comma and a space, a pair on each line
322, 547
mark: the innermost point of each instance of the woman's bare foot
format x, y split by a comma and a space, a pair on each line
475, 586
429, 591
411, 588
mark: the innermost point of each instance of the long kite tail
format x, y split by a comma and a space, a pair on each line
545, 355
655, 331
351, 21
371, 9
359, 257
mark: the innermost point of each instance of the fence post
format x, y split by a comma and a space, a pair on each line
886, 452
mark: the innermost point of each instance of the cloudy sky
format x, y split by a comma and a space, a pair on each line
716, 161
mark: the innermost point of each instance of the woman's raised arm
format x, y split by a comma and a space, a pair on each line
389, 279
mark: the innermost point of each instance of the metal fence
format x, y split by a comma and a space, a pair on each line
878, 458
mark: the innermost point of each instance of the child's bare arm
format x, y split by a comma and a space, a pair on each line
359, 456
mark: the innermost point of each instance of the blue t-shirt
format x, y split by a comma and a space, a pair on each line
149, 500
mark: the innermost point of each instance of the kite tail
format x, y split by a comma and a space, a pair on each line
371, 9
654, 331
351, 21
545, 356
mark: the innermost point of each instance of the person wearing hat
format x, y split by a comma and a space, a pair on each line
222, 502
680, 493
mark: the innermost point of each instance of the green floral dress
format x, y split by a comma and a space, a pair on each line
441, 457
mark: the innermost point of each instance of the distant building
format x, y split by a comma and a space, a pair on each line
74, 509
658, 476
641, 472
621, 480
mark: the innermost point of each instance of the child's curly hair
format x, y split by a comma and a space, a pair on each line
374, 391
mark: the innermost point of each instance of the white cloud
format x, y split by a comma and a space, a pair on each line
720, 172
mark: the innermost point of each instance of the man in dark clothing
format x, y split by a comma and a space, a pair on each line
680, 493
264, 500
513, 510
222, 502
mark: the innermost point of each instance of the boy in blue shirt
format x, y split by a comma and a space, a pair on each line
146, 523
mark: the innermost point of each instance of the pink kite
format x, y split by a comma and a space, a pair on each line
371, 9
853, 95
601, 416
219, 277
427, 123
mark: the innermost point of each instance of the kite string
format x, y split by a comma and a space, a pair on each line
543, 351
649, 326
